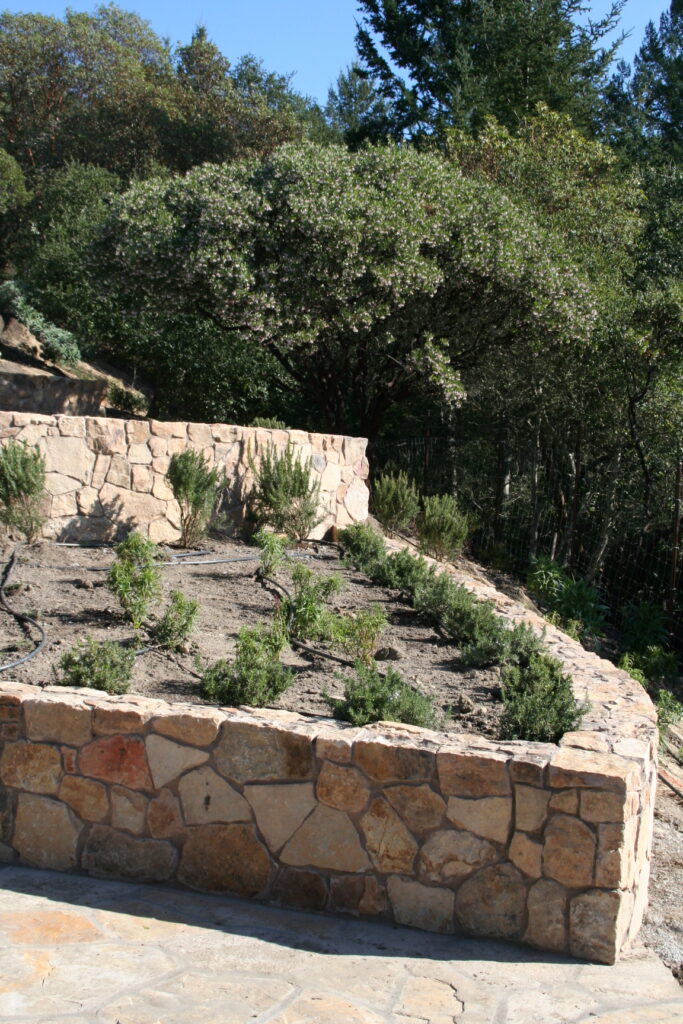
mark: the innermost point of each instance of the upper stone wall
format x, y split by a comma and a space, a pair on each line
106, 476
43, 393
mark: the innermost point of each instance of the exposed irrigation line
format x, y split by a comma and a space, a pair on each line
19, 616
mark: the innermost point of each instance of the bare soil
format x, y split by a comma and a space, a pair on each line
663, 926
65, 588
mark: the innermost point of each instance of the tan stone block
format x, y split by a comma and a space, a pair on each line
56, 484
117, 759
616, 863
139, 454
128, 810
469, 774
419, 806
58, 722
304, 890
137, 431
421, 906
330, 478
71, 426
88, 500
603, 807
357, 500
158, 446
111, 854
358, 894
526, 855
489, 817
69, 456
449, 856
200, 434
33, 767
391, 847
342, 787
327, 839
225, 858
167, 759
87, 798
161, 463
176, 445
571, 767
493, 902
119, 472
585, 741
69, 759
566, 802
335, 749
111, 720
598, 922
197, 728
161, 489
569, 851
386, 761
141, 478
99, 473
547, 925
207, 798
162, 532
251, 752
429, 999
138, 509
64, 505
531, 808
280, 810
106, 436
162, 429
163, 816
45, 834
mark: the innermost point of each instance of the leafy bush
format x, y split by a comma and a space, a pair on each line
195, 488
669, 710
396, 502
135, 576
404, 571
269, 423
363, 548
305, 613
441, 527
547, 579
255, 677
127, 399
643, 626
580, 601
22, 487
284, 496
359, 634
106, 666
59, 345
371, 697
652, 667
273, 550
177, 622
539, 704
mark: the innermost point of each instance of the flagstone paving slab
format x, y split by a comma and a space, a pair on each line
87, 951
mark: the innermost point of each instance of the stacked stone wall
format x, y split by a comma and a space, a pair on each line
105, 476
47, 394
532, 842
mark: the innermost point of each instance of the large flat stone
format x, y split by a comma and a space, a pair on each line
569, 851
225, 858
128, 810
69, 456
489, 817
109, 853
449, 856
260, 753
33, 767
419, 806
531, 808
493, 902
391, 847
167, 759
547, 924
342, 787
197, 728
598, 922
117, 759
327, 839
385, 761
45, 834
58, 722
473, 775
421, 906
86, 797
207, 798
280, 810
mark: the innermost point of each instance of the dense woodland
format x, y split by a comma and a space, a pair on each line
472, 254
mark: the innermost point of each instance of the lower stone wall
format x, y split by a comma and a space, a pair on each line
532, 842
106, 476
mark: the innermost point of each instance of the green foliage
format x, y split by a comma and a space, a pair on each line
539, 704
22, 488
404, 571
363, 548
358, 634
441, 527
13, 192
371, 697
177, 622
305, 614
643, 626
103, 666
396, 502
135, 577
285, 497
127, 399
575, 606
195, 487
547, 579
255, 677
269, 423
273, 550
669, 710
58, 345
652, 667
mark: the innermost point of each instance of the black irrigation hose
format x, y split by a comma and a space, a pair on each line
19, 616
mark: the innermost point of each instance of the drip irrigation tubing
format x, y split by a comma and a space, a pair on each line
19, 616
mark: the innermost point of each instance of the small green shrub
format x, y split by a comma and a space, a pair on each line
177, 622
255, 677
539, 704
547, 579
126, 399
580, 601
273, 550
305, 613
59, 346
22, 487
195, 487
669, 710
284, 496
404, 571
441, 527
106, 666
269, 423
396, 502
643, 626
487, 638
371, 697
135, 576
652, 667
363, 548
359, 634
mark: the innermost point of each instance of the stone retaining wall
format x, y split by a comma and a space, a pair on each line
534, 842
105, 476
44, 393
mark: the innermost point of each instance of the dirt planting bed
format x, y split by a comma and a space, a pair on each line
66, 587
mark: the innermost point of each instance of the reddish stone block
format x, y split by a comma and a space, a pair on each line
117, 759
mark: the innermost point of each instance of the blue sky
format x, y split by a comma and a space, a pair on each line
313, 38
